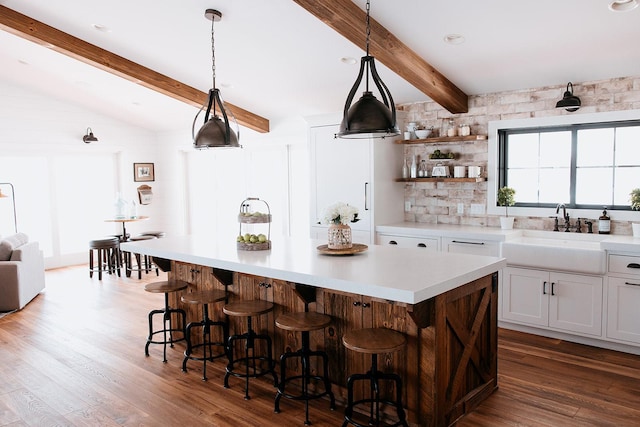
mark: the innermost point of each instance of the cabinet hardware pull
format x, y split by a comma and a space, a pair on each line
195, 270
544, 288
365, 305
467, 243
632, 284
393, 242
264, 285
553, 284
633, 265
422, 245
356, 303
366, 198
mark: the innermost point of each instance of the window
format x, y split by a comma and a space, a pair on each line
585, 165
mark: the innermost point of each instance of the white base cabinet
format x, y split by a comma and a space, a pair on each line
559, 301
623, 298
428, 243
470, 246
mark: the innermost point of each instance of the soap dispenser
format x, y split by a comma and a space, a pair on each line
604, 222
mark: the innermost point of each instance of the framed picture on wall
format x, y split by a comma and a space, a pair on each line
143, 172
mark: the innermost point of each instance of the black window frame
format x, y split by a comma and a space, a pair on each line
503, 148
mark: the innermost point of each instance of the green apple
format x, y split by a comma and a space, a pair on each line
247, 237
262, 238
240, 239
253, 238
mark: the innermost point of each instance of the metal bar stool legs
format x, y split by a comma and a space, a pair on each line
374, 341
205, 298
304, 322
253, 363
168, 328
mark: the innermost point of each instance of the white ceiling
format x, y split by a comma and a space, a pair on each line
277, 60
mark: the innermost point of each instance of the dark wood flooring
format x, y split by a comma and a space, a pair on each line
75, 357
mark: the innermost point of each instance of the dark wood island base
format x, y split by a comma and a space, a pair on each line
448, 366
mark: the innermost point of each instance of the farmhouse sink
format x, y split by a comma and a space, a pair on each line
577, 252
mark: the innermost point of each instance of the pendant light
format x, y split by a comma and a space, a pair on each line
216, 130
569, 101
368, 117
89, 137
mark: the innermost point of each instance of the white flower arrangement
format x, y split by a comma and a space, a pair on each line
340, 213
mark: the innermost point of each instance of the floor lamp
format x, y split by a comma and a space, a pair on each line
13, 200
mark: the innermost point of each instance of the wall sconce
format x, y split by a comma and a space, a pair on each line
89, 137
13, 199
569, 101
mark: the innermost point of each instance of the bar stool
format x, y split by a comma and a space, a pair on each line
142, 264
107, 255
248, 309
205, 298
166, 287
374, 341
304, 322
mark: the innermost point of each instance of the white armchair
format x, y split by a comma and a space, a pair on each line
22, 275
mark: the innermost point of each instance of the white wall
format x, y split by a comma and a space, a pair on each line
36, 125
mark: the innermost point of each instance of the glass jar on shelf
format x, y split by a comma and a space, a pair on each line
422, 170
464, 130
452, 130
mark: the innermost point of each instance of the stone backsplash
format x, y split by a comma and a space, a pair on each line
438, 202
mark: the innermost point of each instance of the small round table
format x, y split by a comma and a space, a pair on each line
124, 221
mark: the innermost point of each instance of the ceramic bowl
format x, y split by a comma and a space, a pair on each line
423, 133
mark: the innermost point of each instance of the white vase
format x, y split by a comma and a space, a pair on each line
506, 222
635, 227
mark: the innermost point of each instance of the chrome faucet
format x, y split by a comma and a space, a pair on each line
565, 215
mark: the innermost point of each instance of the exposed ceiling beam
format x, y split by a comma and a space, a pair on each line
348, 19
38, 32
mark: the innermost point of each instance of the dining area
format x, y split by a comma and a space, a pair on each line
106, 257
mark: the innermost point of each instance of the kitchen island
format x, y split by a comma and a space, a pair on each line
445, 303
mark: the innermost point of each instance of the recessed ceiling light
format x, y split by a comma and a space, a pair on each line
101, 28
623, 5
23, 62
348, 60
454, 39
227, 85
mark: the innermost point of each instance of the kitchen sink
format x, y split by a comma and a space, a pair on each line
576, 252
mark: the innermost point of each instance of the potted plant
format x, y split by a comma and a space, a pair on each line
634, 197
338, 216
506, 198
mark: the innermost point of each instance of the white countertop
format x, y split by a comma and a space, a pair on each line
407, 275
420, 229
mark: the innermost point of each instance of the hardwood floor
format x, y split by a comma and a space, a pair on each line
75, 357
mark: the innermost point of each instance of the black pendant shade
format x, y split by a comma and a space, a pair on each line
216, 131
369, 117
569, 101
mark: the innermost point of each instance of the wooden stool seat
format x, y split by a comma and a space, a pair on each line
255, 365
247, 308
166, 287
374, 340
204, 350
304, 322
204, 297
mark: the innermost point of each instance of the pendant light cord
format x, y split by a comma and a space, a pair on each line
368, 8
213, 54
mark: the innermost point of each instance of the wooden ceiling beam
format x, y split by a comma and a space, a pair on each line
52, 38
348, 19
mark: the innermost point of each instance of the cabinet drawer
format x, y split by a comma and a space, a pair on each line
624, 264
470, 246
430, 243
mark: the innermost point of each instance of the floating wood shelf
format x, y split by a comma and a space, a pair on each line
441, 179
443, 139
